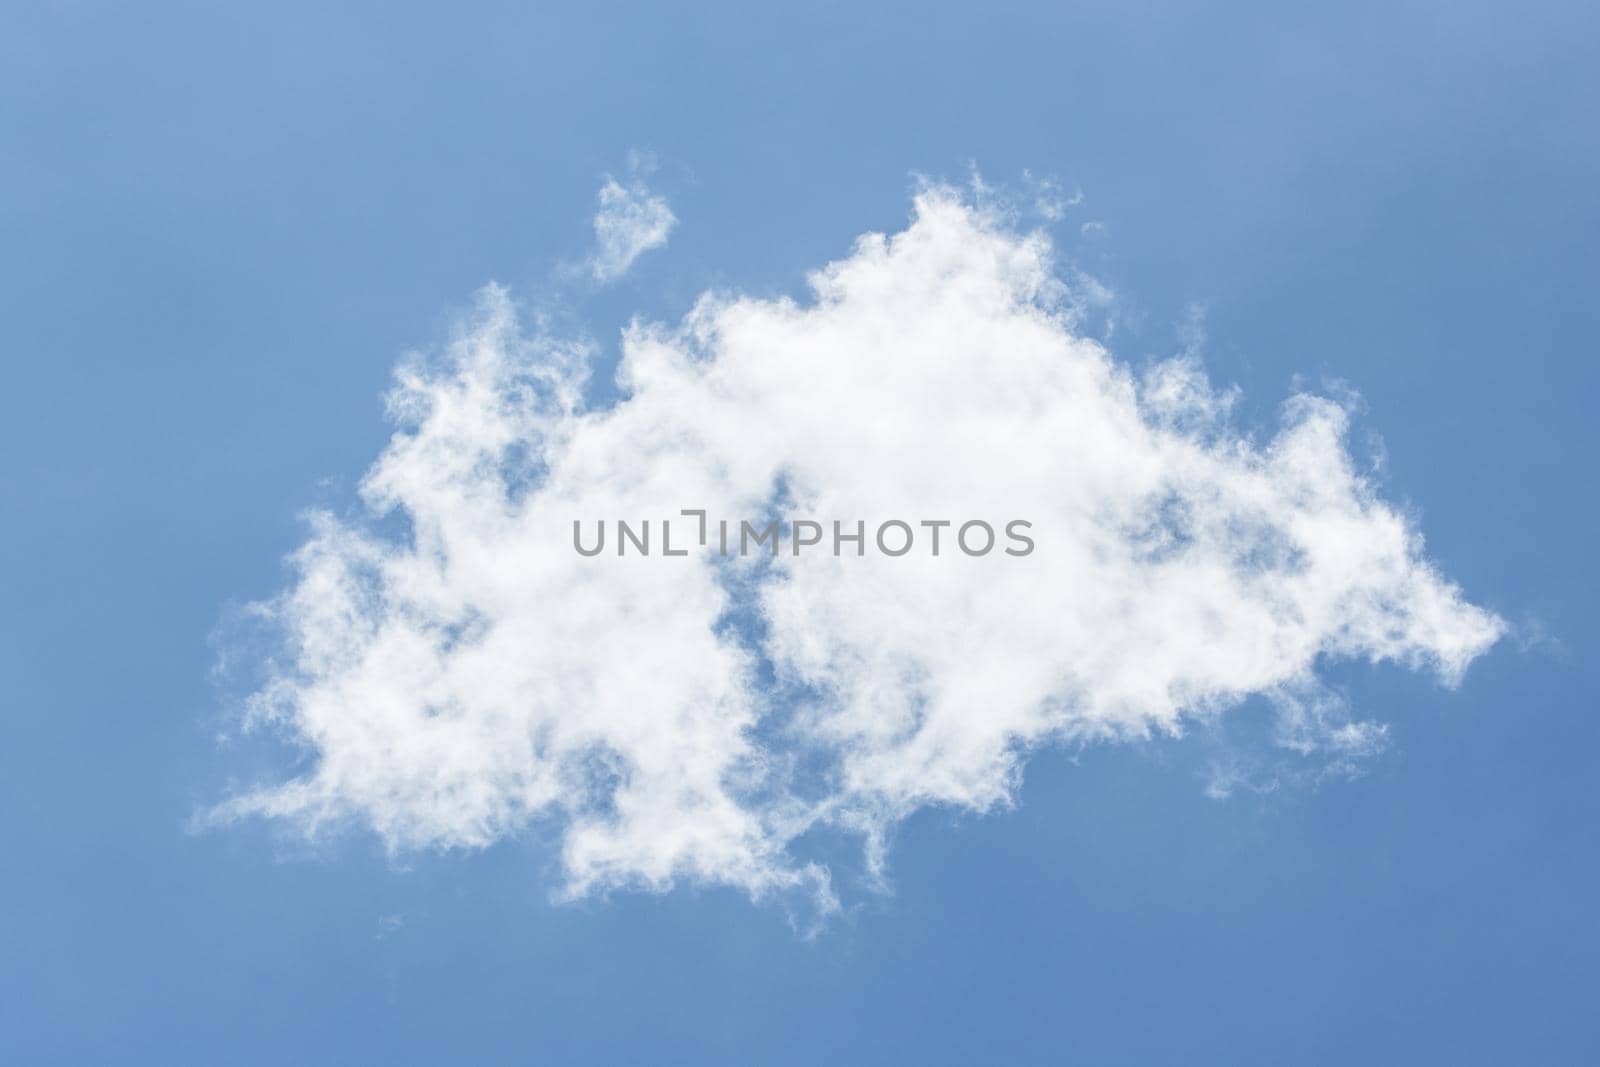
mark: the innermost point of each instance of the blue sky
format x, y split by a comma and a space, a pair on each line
221, 230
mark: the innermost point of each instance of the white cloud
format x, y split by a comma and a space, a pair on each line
458, 685
631, 221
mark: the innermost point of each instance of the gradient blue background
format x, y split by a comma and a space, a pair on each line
218, 229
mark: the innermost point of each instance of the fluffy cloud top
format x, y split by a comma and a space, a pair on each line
631, 221
691, 718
